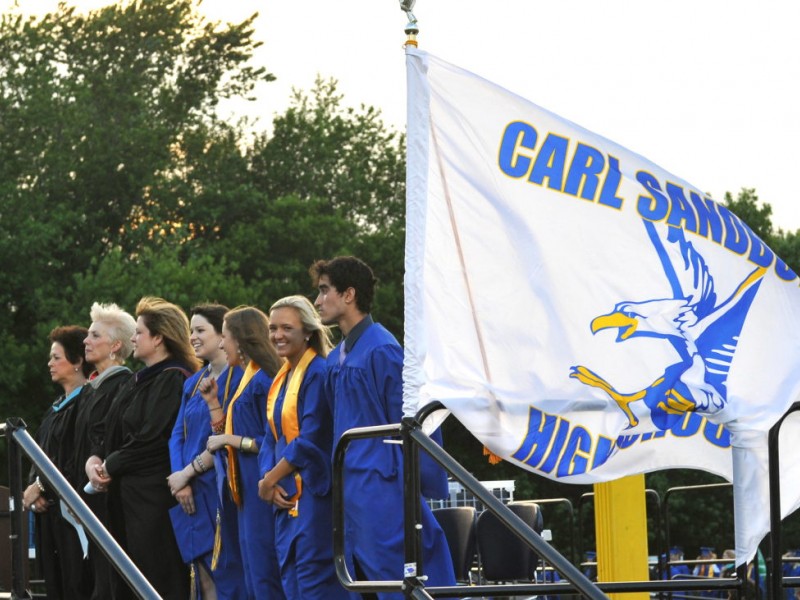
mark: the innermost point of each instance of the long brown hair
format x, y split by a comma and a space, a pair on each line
250, 328
169, 321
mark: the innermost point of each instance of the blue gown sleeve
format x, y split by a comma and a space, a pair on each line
177, 439
266, 453
386, 370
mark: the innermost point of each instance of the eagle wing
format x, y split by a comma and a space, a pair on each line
686, 271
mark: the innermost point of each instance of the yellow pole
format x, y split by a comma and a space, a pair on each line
621, 530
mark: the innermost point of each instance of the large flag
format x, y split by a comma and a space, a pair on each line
584, 313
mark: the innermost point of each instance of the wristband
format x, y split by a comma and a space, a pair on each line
200, 464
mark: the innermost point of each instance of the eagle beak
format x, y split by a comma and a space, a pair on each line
627, 325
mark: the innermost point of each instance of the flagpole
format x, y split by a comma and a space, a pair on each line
417, 119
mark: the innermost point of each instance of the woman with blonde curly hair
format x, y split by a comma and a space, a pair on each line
133, 464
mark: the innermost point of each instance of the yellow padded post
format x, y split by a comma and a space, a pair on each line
621, 532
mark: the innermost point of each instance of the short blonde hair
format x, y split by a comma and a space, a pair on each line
121, 325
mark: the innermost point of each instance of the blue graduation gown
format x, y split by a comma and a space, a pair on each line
195, 533
366, 390
256, 520
304, 542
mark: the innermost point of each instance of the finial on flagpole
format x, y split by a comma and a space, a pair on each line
411, 27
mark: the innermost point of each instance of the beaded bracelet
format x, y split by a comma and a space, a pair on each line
201, 465
39, 485
218, 426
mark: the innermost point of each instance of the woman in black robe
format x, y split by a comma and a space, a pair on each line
57, 545
133, 463
107, 345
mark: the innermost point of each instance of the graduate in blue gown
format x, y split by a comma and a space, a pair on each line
193, 484
296, 455
364, 386
245, 341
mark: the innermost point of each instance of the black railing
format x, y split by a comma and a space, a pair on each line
776, 581
413, 584
20, 440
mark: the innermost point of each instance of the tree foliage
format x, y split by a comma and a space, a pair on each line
118, 179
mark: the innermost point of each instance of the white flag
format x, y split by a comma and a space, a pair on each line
584, 313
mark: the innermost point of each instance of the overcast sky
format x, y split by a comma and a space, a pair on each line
708, 90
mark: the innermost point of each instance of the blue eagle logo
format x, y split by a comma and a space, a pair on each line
703, 331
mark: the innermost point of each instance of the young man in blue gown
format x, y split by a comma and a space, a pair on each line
364, 387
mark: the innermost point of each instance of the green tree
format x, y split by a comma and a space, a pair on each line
344, 165
756, 214
94, 109
118, 180
322, 149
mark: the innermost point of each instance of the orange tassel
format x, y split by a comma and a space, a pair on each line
493, 458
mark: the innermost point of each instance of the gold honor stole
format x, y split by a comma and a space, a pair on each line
290, 422
233, 461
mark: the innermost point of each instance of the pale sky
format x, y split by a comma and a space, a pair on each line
708, 90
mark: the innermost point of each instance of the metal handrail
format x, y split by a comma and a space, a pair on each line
413, 437
410, 431
570, 515
777, 581
18, 438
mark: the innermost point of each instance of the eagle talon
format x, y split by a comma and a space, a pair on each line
590, 378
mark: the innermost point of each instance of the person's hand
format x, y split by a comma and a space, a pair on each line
209, 390
185, 498
33, 500
215, 442
280, 498
98, 477
274, 494
178, 481
96, 472
266, 489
